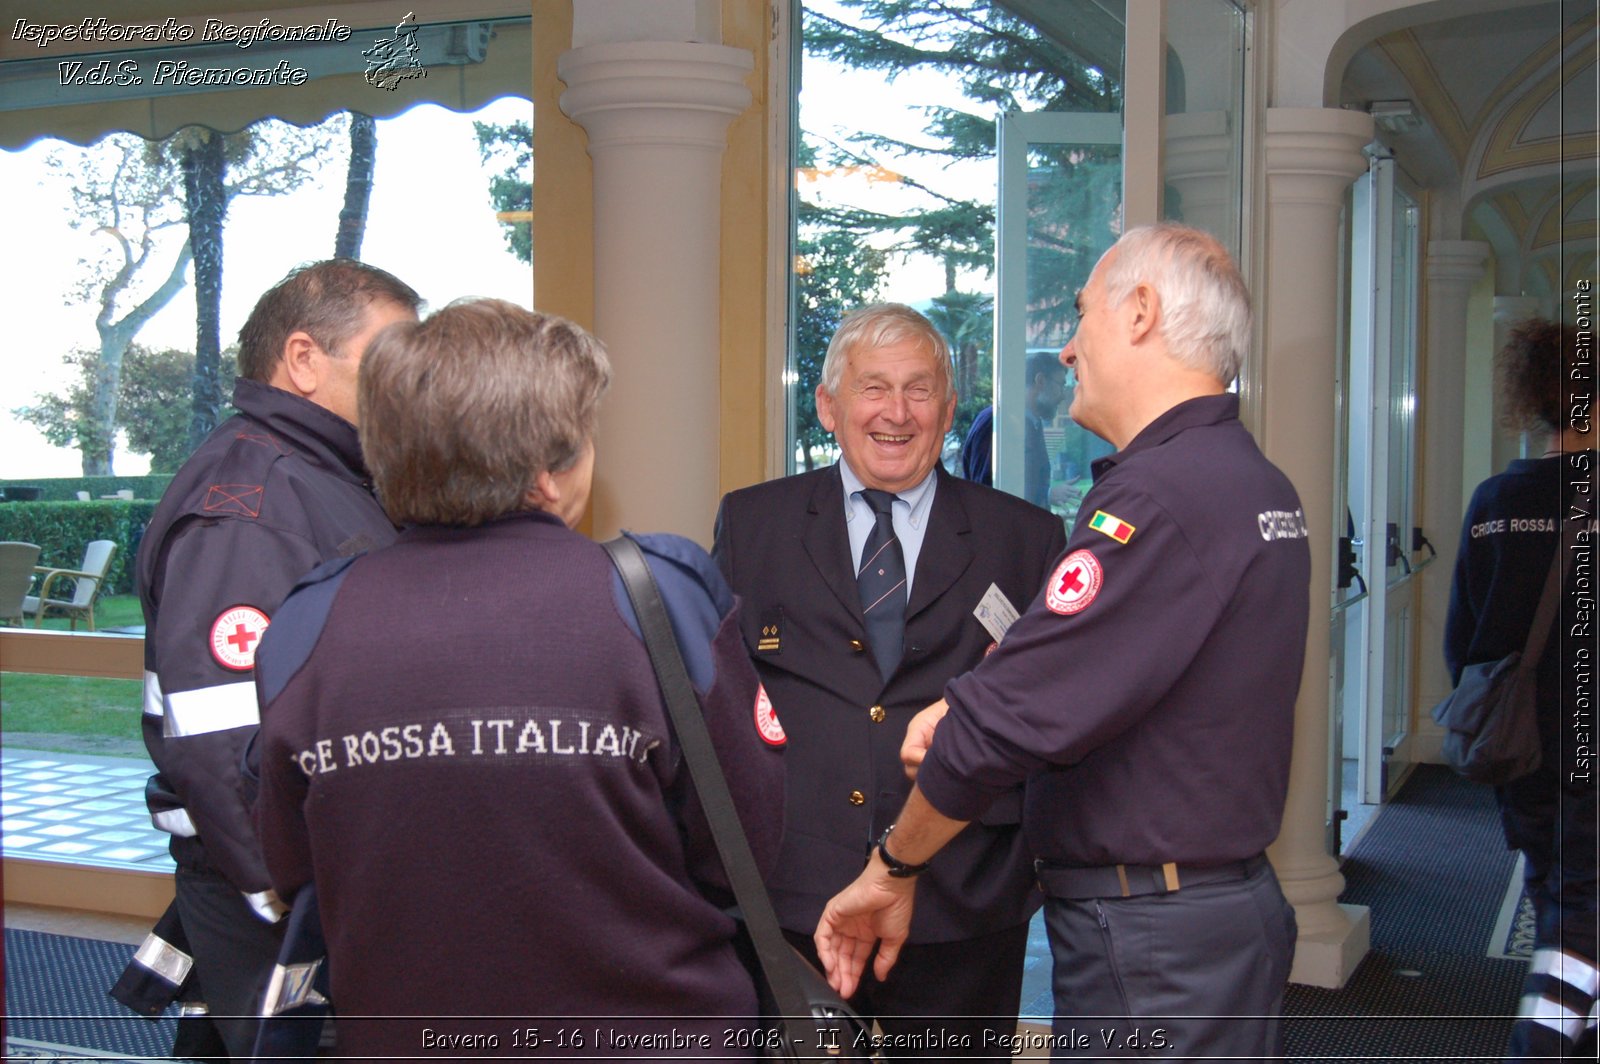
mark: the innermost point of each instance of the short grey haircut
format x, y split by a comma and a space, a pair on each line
880, 325
1205, 306
460, 413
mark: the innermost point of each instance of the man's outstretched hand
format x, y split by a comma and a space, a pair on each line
875, 910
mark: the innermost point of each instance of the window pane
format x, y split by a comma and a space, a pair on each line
101, 286
898, 193
1204, 134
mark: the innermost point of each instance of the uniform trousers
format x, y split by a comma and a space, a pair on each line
1555, 828
944, 999
234, 954
1196, 973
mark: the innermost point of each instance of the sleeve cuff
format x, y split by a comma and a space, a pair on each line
947, 792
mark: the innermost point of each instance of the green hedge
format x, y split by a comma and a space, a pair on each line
63, 529
65, 489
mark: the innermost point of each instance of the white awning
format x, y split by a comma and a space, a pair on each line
103, 73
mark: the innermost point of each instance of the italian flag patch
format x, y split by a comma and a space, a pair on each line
1115, 527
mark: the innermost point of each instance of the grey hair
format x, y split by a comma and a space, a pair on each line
460, 413
1205, 305
880, 325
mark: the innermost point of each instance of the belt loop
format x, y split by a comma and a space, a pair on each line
1122, 879
1170, 871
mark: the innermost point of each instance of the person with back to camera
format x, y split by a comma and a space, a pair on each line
1512, 530
465, 746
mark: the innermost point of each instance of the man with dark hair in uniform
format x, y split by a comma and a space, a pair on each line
849, 651
1047, 386
1146, 696
274, 491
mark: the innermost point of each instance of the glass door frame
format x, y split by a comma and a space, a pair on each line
1017, 131
1382, 418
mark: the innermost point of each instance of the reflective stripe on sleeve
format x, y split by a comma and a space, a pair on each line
174, 822
1574, 971
1539, 1009
290, 987
211, 709
164, 959
153, 705
267, 906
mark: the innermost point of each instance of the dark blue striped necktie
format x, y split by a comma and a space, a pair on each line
882, 583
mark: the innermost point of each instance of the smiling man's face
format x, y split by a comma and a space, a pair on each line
891, 413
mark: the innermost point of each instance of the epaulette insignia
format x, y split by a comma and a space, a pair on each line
770, 640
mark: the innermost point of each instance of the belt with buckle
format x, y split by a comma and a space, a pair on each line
1132, 881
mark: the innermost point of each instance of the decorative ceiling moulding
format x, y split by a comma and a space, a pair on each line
1433, 99
105, 86
1509, 146
1565, 223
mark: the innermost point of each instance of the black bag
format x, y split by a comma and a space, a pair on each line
1491, 719
805, 1018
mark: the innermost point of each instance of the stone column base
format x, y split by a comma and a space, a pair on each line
1327, 958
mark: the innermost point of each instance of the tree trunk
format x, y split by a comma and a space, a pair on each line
357, 186
97, 440
206, 202
967, 368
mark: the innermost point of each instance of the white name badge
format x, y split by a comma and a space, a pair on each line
995, 612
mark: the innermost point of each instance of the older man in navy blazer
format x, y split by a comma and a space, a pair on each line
866, 586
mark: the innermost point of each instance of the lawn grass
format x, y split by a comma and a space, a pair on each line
110, 611
70, 705
76, 714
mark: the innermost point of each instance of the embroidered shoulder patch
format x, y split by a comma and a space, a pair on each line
234, 636
1112, 526
1075, 583
767, 720
242, 499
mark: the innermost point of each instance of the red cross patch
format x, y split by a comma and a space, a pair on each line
767, 720
235, 634
1075, 583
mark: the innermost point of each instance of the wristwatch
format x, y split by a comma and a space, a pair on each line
897, 868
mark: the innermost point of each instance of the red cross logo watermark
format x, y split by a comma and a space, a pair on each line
235, 635
1075, 583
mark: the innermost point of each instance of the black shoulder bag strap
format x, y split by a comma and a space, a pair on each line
778, 960
1545, 616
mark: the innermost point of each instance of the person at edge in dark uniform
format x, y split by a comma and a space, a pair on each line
464, 745
1047, 384
273, 492
1146, 696
846, 686
1512, 530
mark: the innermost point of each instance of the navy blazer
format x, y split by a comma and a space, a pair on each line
784, 548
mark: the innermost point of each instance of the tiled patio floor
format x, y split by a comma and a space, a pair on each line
80, 809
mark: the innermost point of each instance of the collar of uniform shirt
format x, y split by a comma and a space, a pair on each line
909, 513
1200, 410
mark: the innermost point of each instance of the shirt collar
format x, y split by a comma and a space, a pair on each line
1191, 413
919, 497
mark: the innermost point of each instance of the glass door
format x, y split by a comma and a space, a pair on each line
1060, 208
1373, 597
